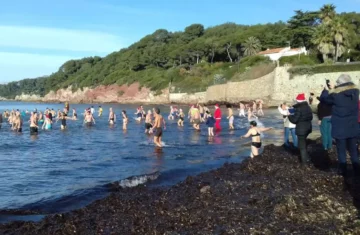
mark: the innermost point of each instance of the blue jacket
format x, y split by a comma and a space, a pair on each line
344, 119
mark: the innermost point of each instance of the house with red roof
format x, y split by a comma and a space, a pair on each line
276, 53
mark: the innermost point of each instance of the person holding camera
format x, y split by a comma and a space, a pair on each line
344, 98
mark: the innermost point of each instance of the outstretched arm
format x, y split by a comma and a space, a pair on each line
248, 134
263, 129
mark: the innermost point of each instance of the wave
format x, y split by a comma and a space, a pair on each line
134, 181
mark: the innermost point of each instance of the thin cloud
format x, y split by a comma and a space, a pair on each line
59, 39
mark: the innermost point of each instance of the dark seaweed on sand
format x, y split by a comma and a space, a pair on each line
271, 194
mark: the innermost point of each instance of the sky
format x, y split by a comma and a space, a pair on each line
38, 36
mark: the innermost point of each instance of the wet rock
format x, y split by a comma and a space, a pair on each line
205, 189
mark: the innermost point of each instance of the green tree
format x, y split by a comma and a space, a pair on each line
340, 34
324, 41
252, 46
327, 13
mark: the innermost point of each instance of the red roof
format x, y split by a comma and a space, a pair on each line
271, 51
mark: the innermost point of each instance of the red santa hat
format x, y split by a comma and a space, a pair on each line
216, 105
300, 97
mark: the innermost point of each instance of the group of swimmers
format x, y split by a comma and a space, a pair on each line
154, 121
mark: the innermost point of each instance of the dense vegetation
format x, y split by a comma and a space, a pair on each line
197, 57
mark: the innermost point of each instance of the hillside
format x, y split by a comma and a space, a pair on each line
195, 58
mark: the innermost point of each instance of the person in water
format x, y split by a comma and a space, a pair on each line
74, 114
138, 114
181, 118
172, 113
89, 118
125, 120
47, 125
34, 124
217, 116
41, 118
260, 109
148, 122
201, 110
210, 122
195, 116
100, 111
254, 132
17, 125
92, 110
251, 114
254, 108
230, 117
158, 127
112, 117
1, 119
242, 110
63, 118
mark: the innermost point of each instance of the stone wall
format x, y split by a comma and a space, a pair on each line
274, 88
185, 98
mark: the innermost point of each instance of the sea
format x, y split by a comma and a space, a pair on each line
59, 171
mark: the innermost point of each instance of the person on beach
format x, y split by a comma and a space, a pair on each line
47, 125
112, 116
217, 116
125, 120
34, 124
289, 128
311, 98
255, 132
260, 111
302, 117
100, 111
148, 122
195, 116
324, 111
344, 98
242, 110
181, 118
74, 114
158, 127
230, 117
138, 114
18, 122
89, 119
210, 122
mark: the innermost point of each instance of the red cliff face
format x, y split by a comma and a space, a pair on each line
106, 94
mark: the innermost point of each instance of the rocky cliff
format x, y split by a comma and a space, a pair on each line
102, 94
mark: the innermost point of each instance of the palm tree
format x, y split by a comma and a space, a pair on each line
327, 13
340, 34
252, 46
323, 40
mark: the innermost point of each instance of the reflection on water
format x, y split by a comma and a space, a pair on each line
68, 166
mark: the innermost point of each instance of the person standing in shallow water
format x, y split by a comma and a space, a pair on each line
125, 120
302, 117
254, 132
158, 127
230, 117
33, 124
112, 117
217, 116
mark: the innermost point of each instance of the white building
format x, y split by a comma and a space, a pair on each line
276, 53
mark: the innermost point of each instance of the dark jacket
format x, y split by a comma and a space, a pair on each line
302, 118
344, 118
210, 122
323, 110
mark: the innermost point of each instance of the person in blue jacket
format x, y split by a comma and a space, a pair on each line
344, 98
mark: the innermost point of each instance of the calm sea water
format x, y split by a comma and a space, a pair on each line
58, 171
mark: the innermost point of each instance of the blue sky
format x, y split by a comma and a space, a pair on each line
38, 36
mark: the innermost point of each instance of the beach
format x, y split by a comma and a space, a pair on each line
271, 194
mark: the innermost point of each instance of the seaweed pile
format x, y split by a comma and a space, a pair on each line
271, 194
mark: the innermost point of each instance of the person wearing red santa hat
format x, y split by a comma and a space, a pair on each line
217, 116
302, 116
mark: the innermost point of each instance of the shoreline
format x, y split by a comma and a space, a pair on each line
270, 194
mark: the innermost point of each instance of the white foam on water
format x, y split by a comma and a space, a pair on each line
138, 180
